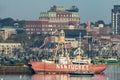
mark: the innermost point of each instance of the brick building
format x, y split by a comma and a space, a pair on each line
54, 19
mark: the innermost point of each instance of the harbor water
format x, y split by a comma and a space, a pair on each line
111, 73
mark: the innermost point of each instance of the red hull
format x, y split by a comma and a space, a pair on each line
66, 68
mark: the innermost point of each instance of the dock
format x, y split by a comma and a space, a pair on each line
15, 70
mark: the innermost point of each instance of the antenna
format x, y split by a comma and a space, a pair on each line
79, 43
80, 40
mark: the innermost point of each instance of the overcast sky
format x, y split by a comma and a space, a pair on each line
92, 10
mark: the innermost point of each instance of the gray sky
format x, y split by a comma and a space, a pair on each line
92, 10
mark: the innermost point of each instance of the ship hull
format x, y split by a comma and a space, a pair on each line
42, 67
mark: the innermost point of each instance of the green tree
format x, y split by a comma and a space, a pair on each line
7, 22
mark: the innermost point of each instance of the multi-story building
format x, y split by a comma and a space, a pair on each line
116, 19
54, 19
7, 48
32, 27
6, 32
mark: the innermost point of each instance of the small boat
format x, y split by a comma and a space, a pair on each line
77, 74
112, 60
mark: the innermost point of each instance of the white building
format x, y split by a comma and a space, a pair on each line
7, 48
6, 32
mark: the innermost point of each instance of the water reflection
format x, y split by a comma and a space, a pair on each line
67, 77
15, 77
113, 72
50, 77
100, 77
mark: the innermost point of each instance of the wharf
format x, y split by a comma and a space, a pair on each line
15, 70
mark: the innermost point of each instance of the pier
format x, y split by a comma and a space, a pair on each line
15, 70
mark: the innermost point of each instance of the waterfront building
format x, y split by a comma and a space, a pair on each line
105, 31
54, 19
71, 38
115, 39
7, 48
71, 42
34, 27
116, 19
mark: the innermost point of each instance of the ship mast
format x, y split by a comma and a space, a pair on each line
80, 40
79, 46
81, 51
61, 42
60, 45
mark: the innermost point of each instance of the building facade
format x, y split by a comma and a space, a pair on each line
116, 19
7, 32
54, 19
7, 48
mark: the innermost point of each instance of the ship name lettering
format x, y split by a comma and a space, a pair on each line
69, 66
65, 66
57, 66
76, 67
72, 67
61, 66
80, 67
